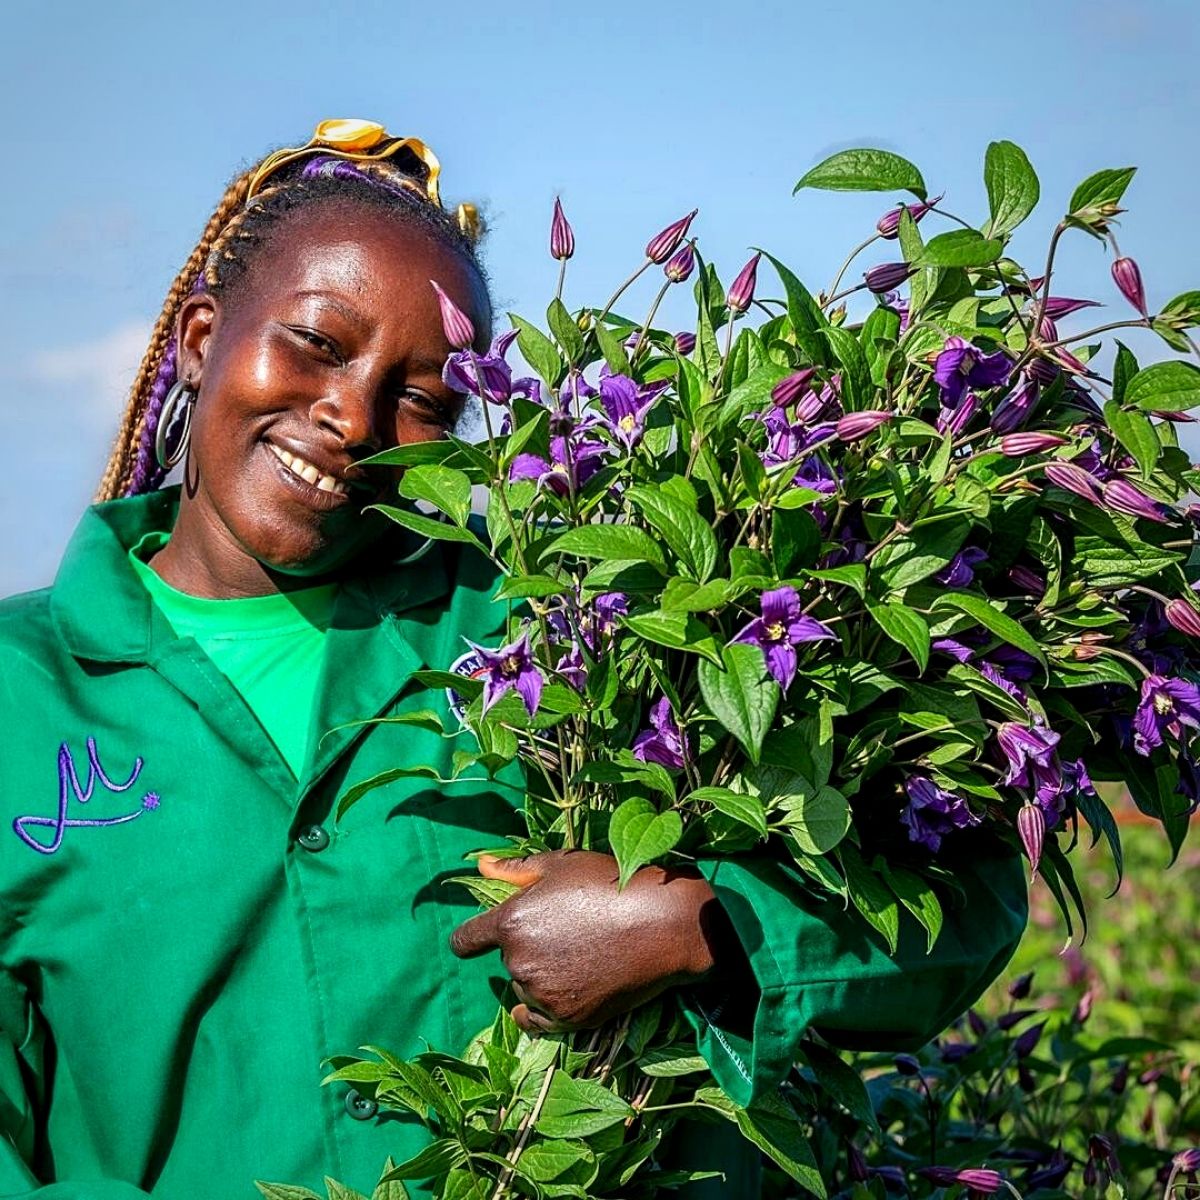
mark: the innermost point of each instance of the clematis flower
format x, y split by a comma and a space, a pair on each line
1128, 278
1025, 746
1166, 705
494, 382
1028, 580
1013, 411
626, 404
664, 742
571, 464
685, 343
510, 668
562, 236
1017, 445
681, 264
1058, 307
960, 364
978, 1179
456, 325
781, 628
664, 244
599, 621
791, 387
932, 813
888, 226
960, 570
1074, 479
955, 420
857, 425
1031, 826
741, 290
1123, 497
887, 276
1184, 617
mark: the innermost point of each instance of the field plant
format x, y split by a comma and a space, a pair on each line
841, 589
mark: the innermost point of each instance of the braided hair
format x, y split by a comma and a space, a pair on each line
234, 235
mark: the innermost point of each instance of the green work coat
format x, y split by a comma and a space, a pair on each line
186, 932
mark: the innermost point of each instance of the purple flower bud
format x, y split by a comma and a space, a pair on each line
741, 290
1013, 411
1187, 1161
1043, 370
886, 276
1062, 306
681, 264
856, 1164
1007, 1020
905, 1064
1057, 1168
1150, 1076
1083, 1009
1020, 987
1123, 497
888, 225
1028, 581
955, 420
979, 1026
562, 237
1176, 418
980, 1179
1025, 1045
1025, 1078
1120, 1079
956, 1051
685, 343
1047, 330
1128, 278
792, 386
1184, 617
858, 424
456, 325
663, 245
1089, 1174
1074, 479
1100, 1149
1016, 445
1031, 825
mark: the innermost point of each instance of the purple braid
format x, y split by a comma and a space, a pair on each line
147, 473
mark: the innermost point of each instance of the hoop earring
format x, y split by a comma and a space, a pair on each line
421, 550
181, 397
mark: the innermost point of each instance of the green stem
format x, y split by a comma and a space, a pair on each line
837, 279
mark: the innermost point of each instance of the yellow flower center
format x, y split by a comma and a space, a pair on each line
510, 666
1163, 704
627, 424
775, 631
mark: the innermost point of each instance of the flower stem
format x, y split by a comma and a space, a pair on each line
525, 1129
837, 279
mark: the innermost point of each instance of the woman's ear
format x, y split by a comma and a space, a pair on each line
193, 329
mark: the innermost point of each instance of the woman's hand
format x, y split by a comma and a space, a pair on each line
580, 952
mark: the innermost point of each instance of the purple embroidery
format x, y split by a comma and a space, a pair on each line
68, 783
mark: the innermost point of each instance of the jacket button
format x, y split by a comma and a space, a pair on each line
314, 837
361, 1108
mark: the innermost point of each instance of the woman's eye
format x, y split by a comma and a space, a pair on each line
431, 410
320, 342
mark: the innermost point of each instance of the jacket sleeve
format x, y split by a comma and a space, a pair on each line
22, 1084
820, 966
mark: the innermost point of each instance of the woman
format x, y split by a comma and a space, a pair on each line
186, 932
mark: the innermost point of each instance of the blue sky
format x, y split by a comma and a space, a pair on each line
124, 120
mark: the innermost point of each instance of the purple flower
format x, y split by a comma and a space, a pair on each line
1074, 479
510, 667
681, 264
741, 290
1165, 705
791, 387
663, 743
931, 813
1013, 411
978, 1179
887, 276
600, 620
889, 224
1121, 495
685, 343
960, 364
572, 462
664, 244
1128, 278
1058, 307
572, 668
494, 382
1024, 746
1017, 445
562, 237
456, 325
1028, 580
781, 628
1031, 825
960, 571
626, 405
858, 424
1020, 987
1184, 617
955, 420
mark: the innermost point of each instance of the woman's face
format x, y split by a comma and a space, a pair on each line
328, 349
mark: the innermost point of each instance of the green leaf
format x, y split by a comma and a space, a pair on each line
842, 1082
906, 627
864, 171
486, 892
686, 595
684, 530
918, 896
1125, 368
566, 329
795, 540
869, 895
857, 387
551, 1160
538, 350
624, 542
521, 587
285, 1191
816, 818
463, 1184
1184, 310
775, 1128
880, 333
803, 312
1110, 566
741, 696
1134, 431
575, 1105
960, 248
1012, 187
853, 575
429, 527
389, 1189
611, 347
445, 489
1165, 386
987, 614
638, 834
677, 631
436, 1159
917, 555
669, 1062
748, 810
1104, 187
356, 793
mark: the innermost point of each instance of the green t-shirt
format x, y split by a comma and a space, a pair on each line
269, 647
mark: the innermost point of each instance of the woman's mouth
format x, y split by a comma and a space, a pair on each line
305, 471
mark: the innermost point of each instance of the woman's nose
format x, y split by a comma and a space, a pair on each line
351, 412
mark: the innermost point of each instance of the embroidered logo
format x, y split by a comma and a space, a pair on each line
68, 786
470, 666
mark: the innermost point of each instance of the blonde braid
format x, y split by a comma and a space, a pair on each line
119, 471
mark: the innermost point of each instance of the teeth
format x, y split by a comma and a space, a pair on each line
307, 472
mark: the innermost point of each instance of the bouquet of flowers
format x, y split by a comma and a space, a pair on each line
850, 580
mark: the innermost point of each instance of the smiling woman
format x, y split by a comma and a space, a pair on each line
235, 654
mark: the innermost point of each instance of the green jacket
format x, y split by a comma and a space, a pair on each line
186, 933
